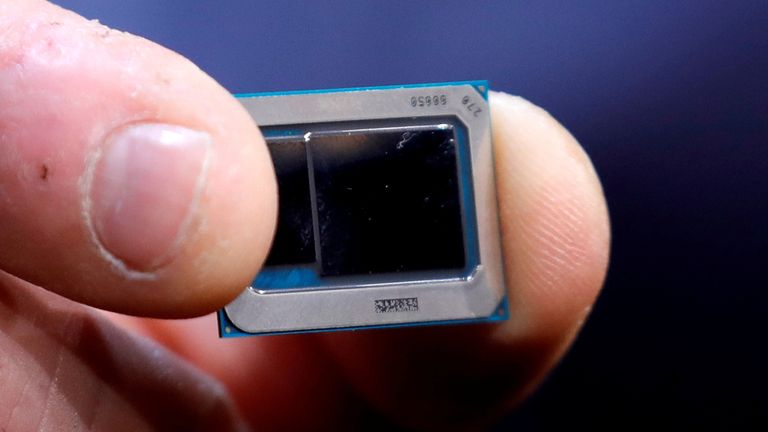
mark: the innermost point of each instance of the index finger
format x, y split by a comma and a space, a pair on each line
555, 236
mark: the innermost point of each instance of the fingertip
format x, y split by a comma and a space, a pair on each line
554, 229
135, 182
554, 218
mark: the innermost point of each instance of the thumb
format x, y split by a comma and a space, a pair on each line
129, 179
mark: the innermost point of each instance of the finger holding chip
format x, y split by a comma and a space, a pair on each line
555, 237
76, 102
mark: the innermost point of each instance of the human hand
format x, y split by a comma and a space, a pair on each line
132, 182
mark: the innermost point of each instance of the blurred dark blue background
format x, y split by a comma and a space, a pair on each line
670, 99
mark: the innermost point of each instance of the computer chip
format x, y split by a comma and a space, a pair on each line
387, 211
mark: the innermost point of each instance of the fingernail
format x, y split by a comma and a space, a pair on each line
145, 187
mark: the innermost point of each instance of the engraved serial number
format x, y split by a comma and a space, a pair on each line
429, 100
471, 106
410, 304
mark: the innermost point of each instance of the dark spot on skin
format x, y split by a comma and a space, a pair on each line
44, 171
54, 23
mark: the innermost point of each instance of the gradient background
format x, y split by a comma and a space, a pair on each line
670, 99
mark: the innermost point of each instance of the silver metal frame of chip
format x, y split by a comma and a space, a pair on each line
479, 296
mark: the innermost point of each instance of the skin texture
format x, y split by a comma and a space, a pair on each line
67, 86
